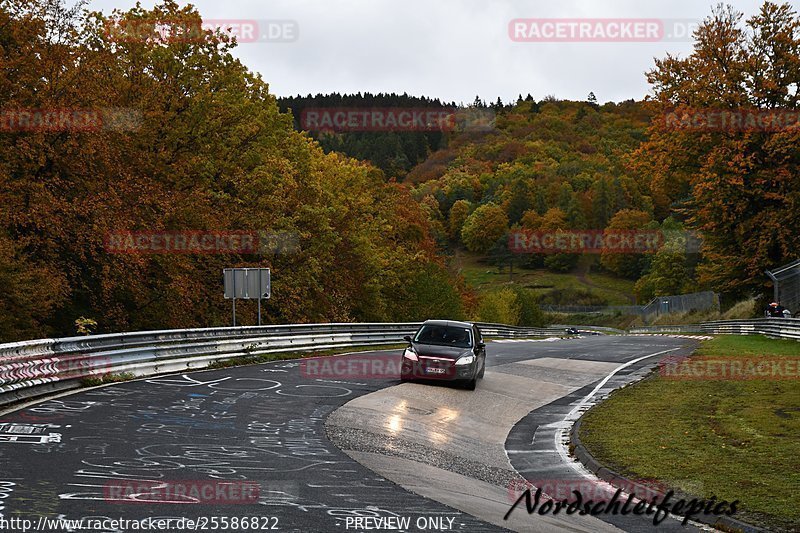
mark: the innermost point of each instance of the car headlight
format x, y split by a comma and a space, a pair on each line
410, 355
468, 360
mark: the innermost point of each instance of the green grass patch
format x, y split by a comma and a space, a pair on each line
485, 277
617, 291
736, 440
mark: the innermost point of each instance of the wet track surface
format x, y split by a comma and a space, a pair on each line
117, 451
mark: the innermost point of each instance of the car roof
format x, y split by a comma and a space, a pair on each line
454, 323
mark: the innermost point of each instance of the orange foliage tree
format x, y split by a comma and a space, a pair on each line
738, 185
201, 146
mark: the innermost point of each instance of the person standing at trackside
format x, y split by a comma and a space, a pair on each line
775, 310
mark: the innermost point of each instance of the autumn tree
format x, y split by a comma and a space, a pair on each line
553, 221
629, 265
531, 220
484, 227
668, 275
202, 146
31, 292
458, 215
737, 185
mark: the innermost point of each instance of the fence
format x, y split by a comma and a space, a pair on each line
39, 367
682, 303
592, 309
786, 285
663, 305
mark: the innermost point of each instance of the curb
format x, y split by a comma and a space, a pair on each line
724, 523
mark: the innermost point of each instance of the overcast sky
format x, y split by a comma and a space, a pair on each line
451, 49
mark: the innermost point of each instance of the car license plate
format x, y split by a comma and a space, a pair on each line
435, 370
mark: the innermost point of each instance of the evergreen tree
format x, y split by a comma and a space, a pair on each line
601, 204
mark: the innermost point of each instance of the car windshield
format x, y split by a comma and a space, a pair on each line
444, 336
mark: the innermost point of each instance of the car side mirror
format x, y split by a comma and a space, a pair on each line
481, 345
407, 338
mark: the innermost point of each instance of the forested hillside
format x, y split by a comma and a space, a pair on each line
192, 140
394, 152
669, 163
205, 148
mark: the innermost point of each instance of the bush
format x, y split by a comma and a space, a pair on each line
500, 307
529, 312
561, 262
430, 294
572, 296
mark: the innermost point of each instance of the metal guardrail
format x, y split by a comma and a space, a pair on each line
667, 329
598, 329
779, 328
39, 367
34, 368
506, 332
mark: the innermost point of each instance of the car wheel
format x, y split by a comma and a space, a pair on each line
483, 371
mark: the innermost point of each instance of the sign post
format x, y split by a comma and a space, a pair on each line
247, 284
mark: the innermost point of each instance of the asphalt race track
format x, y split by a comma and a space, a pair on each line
289, 452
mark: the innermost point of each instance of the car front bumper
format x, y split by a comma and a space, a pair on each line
438, 369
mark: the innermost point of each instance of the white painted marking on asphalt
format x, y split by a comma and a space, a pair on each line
532, 451
571, 415
535, 433
549, 339
562, 429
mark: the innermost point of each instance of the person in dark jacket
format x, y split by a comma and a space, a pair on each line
775, 310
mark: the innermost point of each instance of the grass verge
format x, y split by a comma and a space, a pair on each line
95, 381
736, 440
